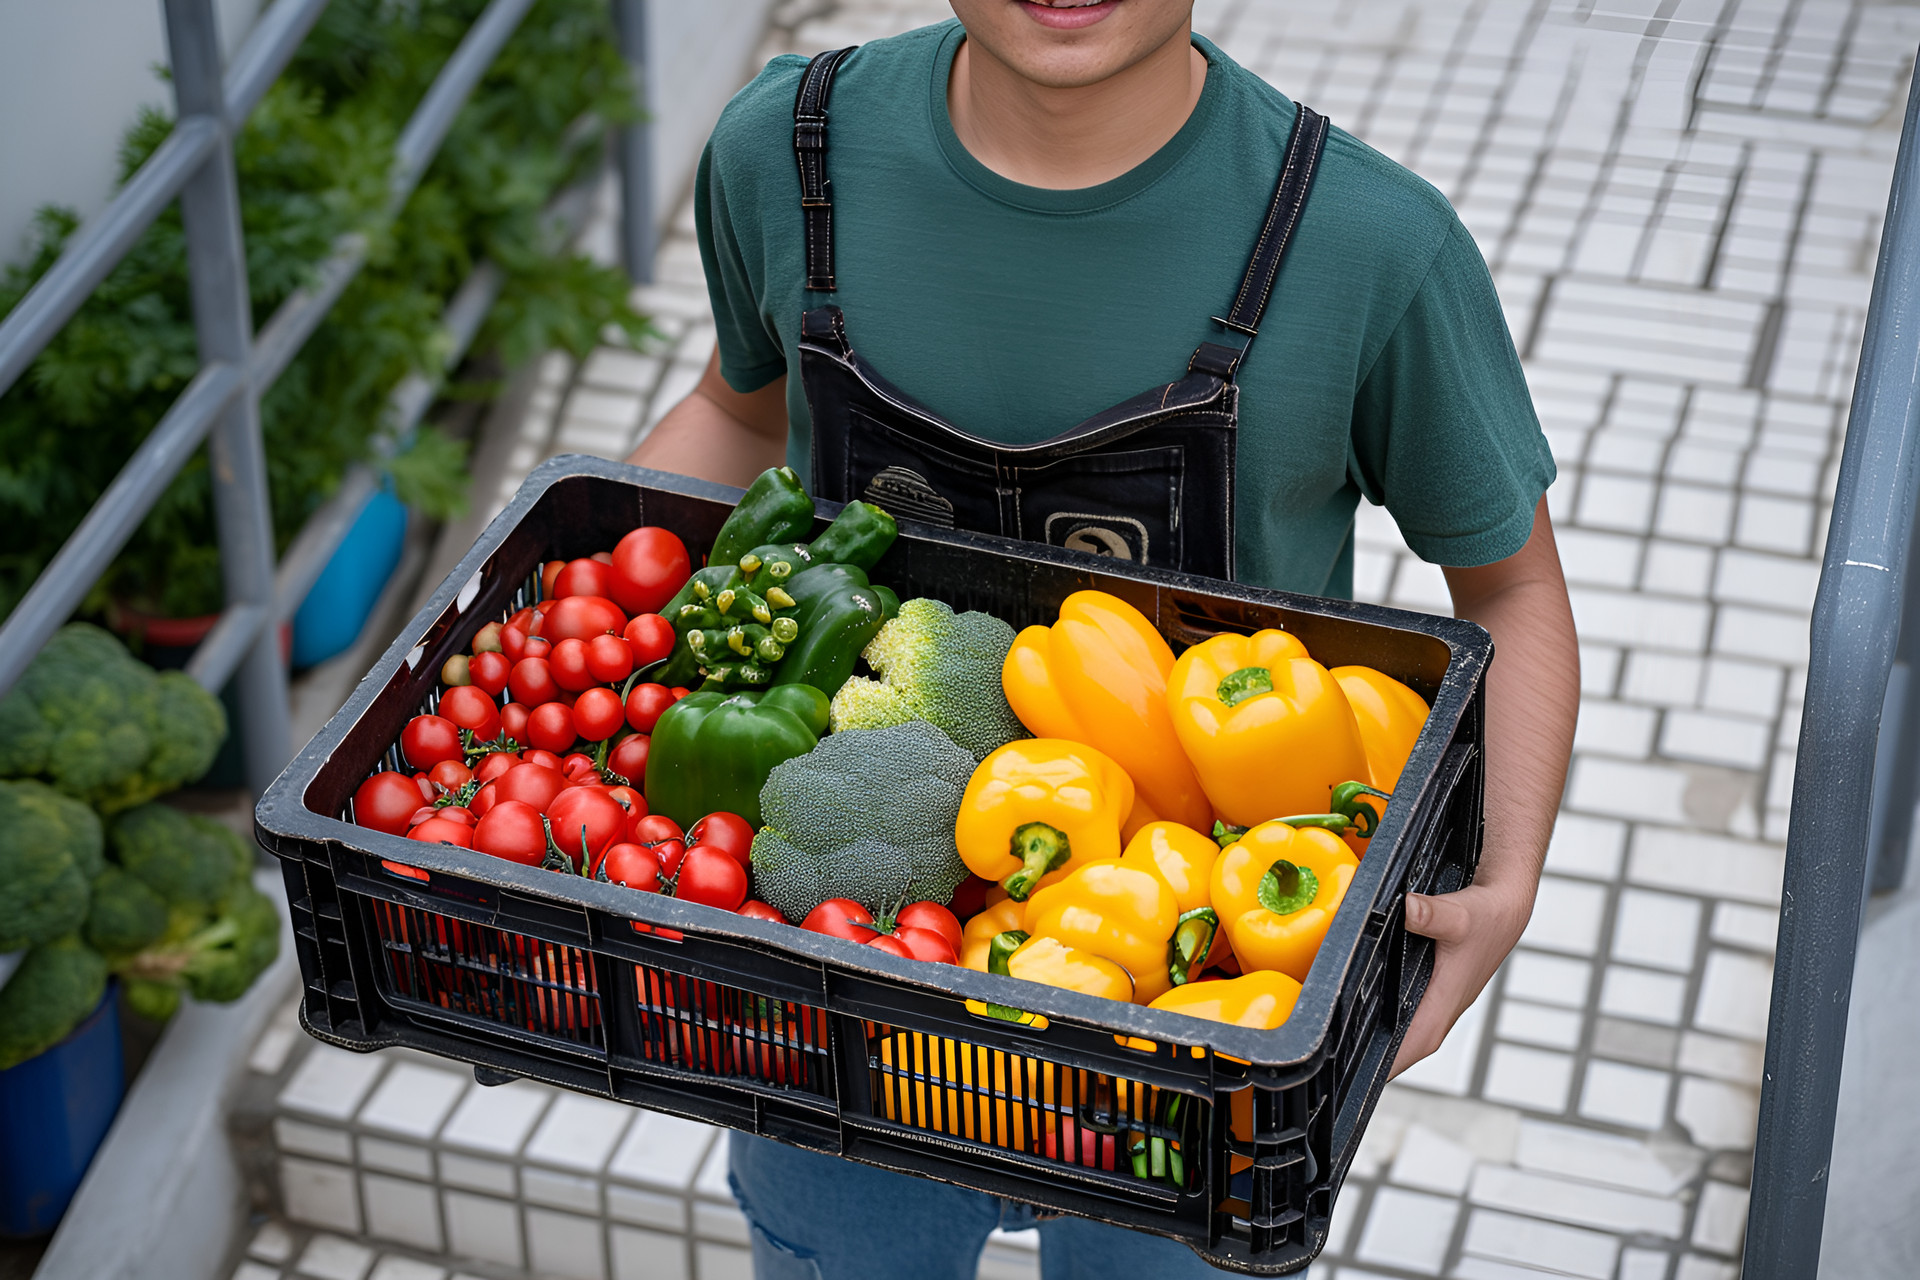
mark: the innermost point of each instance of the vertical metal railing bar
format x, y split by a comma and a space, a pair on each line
1856, 621
639, 237
64, 583
237, 456
97, 247
268, 48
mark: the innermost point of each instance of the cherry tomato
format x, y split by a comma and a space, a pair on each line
645, 703
578, 617
841, 918
522, 618
487, 639
450, 775
531, 784
585, 813
547, 758
649, 638
425, 786
538, 647
532, 682
421, 814
609, 659
925, 944
427, 740
456, 813
495, 763
891, 945
385, 801
731, 834
584, 578
670, 853
754, 909
597, 716
632, 801
649, 565
575, 762
569, 666
513, 642
469, 707
680, 691
630, 865
970, 899
1080, 1146
513, 720
490, 672
512, 830
550, 726
483, 800
653, 827
931, 916
629, 757
455, 670
712, 877
438, 830
548, 573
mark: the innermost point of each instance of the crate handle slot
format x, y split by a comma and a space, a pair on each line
1002, 1015
657, 931
403, 870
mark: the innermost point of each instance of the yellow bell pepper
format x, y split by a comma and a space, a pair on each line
964, 1090
979, 932
1054, 963
1262, 999
1119, 913
1389, 715
1277, 889
1268, 729
1183, 859
1037, 808
1099, 676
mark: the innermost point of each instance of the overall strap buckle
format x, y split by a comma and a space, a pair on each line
810, 155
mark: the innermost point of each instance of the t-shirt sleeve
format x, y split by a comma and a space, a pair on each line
1444, 432
732, 248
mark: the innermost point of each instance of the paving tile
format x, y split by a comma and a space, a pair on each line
1408, 1229
1767, 634
1628, 618
329, 1257
1660, 930
1627, 992
1712, 866
395, 1157
1742, 926
662, 1151
1432, 1161
564, 1246
402, 1211
1695, 1267
1548, 979
1692, 513
271, 1243
1601, 559
1735, 990
1599, 669
1675, 568
1523, 1022
497, 1120
394, 1267
1617, 729
482, 1228
255, 1271
1536, 1079
1773, 582
329, 1083
1624, 789
1566, 916
1720, 1221
1642, 1043
1580, 1203
647, 1255
319, 1195
300, 1138
646, 1208
722, 1262
720, 1222
568, 1191
712, 1179
579, 1132
1573, 1251
1644, 1264
1617, 1093
1584, 846
1588, 1155
1745, 688
476, 1174
1450, 1068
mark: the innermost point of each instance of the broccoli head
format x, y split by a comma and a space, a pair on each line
52, 991
125, 915
214, 956
103, 727
49, 848
187, 860
938, 666
868, 815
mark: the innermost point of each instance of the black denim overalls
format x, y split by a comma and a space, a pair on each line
1150, 479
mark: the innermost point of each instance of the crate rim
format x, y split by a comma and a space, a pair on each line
284, 823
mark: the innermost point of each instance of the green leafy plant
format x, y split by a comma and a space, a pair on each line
313, 164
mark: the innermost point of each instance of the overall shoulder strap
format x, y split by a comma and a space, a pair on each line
810, 152
1276, 233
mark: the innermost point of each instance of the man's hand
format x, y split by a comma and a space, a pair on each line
1533, 699
718, 433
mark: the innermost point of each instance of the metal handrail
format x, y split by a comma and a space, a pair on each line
1864, 608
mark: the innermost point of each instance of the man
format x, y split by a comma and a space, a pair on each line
1056, 213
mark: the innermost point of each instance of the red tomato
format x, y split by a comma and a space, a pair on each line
712, 877
483, 800
550, 726
469, 707
548, 572
629, 757
513, 643
670, 852
489, 671
655, 827
427, 740
934, 917
512, 830
584, 814
584, 578
925, 944
604, 557
456, 813
649, 638
841, 918
575, 762
522, 619
569, 666
891, 945
632, 801
645, 702
538, 647
424, 785
531, 784
443, 831
680, 691
609, 659
513, 720
730, 833
649, 565
385, 801
970, 899
578, 617
1079, 1146
487, 639
754, 909
547, 758
532, 682
450, 775
421, 814
630, 865
597, 716
495, 763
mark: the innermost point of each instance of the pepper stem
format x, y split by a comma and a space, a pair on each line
1240, 685
1040, 849
1191, 941
1001, 950
1225, 833
1334, 822
1287, 888
1346, 799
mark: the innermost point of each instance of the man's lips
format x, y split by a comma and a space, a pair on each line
1066, 15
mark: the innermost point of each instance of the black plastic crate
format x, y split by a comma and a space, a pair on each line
1244, 1136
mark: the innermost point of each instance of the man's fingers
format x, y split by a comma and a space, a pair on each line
1442, 917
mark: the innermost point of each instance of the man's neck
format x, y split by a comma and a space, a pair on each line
1067, 138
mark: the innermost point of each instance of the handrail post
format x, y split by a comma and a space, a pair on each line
223, 324
638, 235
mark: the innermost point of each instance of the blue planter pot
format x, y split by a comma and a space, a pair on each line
54, 1112
331, 617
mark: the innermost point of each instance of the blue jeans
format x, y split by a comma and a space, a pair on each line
818, 1217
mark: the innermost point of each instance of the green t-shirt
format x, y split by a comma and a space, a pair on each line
1383, 366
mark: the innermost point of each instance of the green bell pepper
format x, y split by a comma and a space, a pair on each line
773, 509
839, 613
712, 750
858, 536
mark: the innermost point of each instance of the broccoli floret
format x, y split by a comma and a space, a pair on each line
214, 956
125, 915
938, 666
868, 815
188, 861
55, 987
49, 847
103, 727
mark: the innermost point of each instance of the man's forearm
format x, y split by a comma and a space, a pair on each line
719, 434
